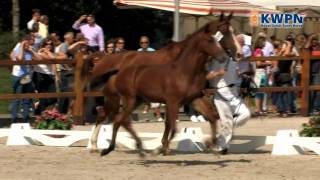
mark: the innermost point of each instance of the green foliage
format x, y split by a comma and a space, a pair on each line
7, 43
312, 128
53, 120
5, 87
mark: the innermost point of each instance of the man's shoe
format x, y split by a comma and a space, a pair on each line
193, 118
201, 118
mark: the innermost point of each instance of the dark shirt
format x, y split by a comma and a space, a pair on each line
284, 66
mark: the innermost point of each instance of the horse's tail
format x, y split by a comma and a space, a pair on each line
98, 81
88, 64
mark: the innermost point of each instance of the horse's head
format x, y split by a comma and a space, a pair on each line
210, 45
225, 35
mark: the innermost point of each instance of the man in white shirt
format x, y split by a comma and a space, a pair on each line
232, 110
35, 18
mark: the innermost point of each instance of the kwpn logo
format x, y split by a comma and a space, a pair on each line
284, 20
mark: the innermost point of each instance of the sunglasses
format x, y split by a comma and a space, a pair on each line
144, 42
120, 42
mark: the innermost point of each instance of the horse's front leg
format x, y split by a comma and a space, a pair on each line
205, 107
172, 109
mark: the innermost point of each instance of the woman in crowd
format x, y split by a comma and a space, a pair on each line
283, 78
260, 77
45, 75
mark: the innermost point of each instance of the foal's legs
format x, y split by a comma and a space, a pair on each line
123, 118
111, 108
206, 108
170, 126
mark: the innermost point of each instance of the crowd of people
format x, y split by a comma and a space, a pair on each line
40, 43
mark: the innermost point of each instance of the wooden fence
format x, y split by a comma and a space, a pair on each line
79, 95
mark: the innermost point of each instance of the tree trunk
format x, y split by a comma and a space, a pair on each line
15, 17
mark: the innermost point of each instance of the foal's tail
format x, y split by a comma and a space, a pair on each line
99, 81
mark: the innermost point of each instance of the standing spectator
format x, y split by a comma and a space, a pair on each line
314, 46
65, 72
120, 44
44, 26
260, 77
283, 78
21, 76
45, 75
268, 51
91, 31
245, 67
145, 47
37, 38
35, 18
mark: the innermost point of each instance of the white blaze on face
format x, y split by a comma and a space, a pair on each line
218, 36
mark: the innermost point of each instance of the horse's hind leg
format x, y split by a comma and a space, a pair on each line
111, 109
206, 108
123, 119
94, 137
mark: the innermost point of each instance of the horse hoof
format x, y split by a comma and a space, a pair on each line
142, 154
104, 152
94, 151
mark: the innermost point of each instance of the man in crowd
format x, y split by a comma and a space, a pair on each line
92, 31
35, 18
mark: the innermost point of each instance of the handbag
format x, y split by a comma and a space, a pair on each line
25, 79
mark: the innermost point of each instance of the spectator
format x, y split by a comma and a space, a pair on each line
65, 72
35, 18
91, 31
120, 44
45, 75
314, 46
44, 26
283, 78
260, 77
145, 46
21, 76
37, 38
268, 51
245, 68
110, 47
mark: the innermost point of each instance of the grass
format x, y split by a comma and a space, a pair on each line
5, 87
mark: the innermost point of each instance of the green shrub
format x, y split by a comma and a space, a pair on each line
312, 128
7, 43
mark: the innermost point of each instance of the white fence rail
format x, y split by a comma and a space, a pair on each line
286, 142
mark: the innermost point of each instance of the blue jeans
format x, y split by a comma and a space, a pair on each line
285, 101
26, 103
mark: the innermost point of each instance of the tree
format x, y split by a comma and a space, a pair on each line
15, 17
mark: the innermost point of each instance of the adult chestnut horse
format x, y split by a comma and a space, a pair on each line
175, 84
169, 53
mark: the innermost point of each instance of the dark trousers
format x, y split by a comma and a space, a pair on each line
26, 103
44, 83
315, 95
66, 85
